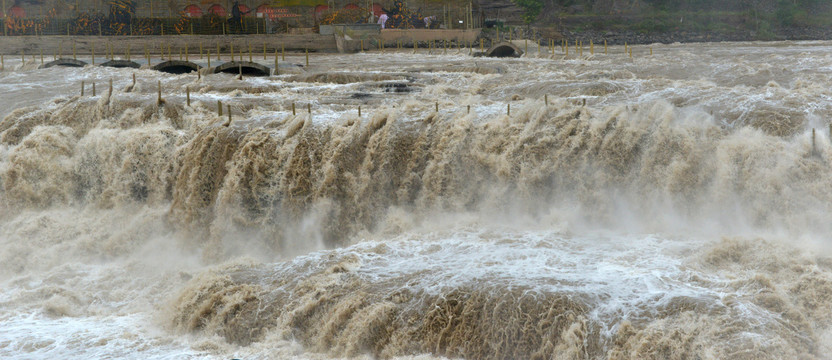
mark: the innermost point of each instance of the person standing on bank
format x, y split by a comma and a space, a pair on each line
237, 16
382, 20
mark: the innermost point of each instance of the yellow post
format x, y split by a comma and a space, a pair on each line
651, 51
209, 58
92, 52
359, 110
188, 95
814, 150
159, 92
228, 107
219, 108
82, 87
591, 47
276, 69
283, 51
93, 89
508, 109
293, 109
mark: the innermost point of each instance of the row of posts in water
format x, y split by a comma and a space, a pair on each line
160, 101
205, 53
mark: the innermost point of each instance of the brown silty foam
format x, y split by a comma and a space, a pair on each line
327, 305
223, 180
648, 167
601, 161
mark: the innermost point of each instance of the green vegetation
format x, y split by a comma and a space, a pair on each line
531, 9
762, 18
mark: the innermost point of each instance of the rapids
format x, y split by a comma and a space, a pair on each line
668, 206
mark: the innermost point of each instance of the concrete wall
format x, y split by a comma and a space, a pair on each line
50, 45
391, 36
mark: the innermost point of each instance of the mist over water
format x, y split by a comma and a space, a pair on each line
668, 206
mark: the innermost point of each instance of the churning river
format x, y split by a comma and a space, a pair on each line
670, 206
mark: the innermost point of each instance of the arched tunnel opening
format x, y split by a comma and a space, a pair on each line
504, 49
121, 64
176, 67
64, 63
247, 68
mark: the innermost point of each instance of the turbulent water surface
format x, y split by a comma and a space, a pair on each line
677, 205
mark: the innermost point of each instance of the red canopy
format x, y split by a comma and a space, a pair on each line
245, 10
350, 6
193, 11
218, 10
263, 9
377, 11
17, 11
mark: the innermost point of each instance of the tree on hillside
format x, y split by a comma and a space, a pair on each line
531, 9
